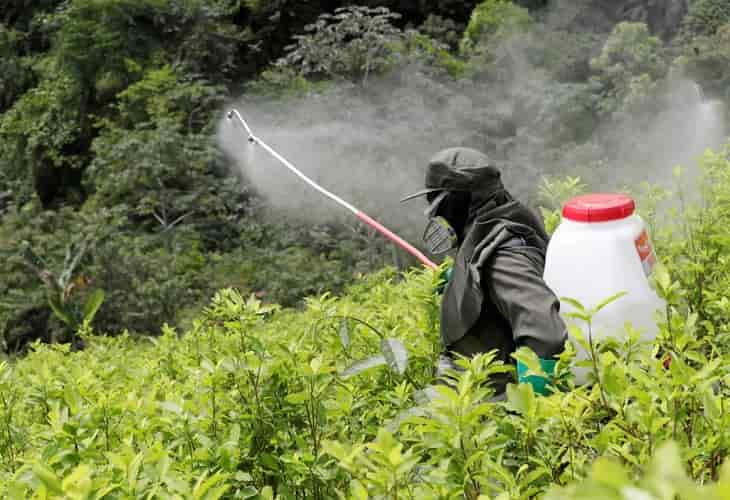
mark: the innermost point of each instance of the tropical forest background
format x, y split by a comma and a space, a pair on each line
174, 325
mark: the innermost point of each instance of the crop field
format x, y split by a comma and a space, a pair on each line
183, 318
339, 400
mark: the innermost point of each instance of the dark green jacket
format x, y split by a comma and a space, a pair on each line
496, 298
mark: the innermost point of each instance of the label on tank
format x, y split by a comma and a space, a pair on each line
646, 252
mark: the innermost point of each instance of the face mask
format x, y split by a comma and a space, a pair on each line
439, 236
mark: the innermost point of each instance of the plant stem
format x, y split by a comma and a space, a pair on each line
214, 407
595, 367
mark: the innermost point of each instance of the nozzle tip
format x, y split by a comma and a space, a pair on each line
230, 114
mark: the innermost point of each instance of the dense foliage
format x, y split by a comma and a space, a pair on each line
106, 140
255, 401
119, 213
111, 178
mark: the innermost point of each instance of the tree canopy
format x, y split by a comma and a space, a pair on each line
109, 110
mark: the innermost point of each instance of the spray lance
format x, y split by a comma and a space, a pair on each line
362, 216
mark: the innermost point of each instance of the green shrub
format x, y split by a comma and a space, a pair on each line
339, 398
434, 54
705, 17
17, 76
629, 67
493, 20
707, 61
350, 44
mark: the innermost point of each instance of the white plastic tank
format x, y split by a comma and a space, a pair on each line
601, 248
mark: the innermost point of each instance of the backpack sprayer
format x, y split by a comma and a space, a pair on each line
355, 211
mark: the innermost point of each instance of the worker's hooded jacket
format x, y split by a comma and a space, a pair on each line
505, 242
490, 227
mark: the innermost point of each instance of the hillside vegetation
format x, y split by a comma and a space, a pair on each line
338, 399
163, 336
111, 180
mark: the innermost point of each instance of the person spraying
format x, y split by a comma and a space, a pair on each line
496, 298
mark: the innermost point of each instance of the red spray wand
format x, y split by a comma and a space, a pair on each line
356, 212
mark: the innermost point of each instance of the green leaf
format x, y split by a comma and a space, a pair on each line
521, 398
667, 464
345, 333
527, 356
61, 312
614, 380
133, 470
662, 278
93, 304
267, 493
297, 398
315, 365
206, 365
358, 491
171, 407
78, 484
248, 492
208, 489
363, 365
610, 473
395, 354
585, 317
577, 333
711, 408
608, 301
48, 478
105, 491
573, 302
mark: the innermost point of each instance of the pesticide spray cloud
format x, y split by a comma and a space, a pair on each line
371, 145
685, 126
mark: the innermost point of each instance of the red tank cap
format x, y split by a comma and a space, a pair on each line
599, 207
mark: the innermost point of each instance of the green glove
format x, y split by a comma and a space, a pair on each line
443, 280
538, 383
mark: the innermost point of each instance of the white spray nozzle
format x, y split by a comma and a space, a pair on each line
234, 112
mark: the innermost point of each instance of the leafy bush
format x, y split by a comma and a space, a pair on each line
433, 54
351, 44
277, 376
16, 74
664, 478
152, 273
340, 399
280, 82
107, 111
35, 133
47, 284
705, 17
443, 30
493, 20
552, 194
628, 67
565, 55
707, 60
